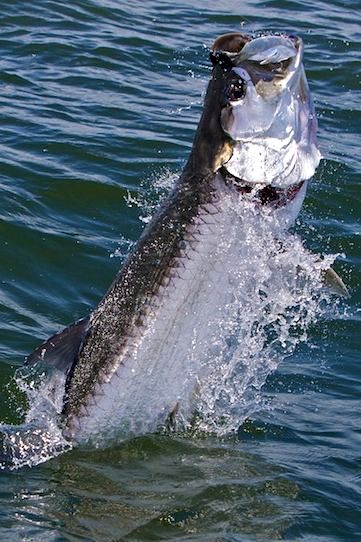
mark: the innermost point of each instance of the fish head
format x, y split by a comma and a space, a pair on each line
267, 110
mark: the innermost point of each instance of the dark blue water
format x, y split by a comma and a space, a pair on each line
98, 101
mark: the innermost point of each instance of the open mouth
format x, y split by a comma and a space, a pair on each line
266, 195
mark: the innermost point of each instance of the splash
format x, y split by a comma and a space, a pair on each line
39, 438
273, 293
153, 191
278, 293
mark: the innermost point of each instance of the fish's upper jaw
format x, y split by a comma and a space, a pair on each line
230, 50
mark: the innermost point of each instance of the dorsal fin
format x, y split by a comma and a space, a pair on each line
61, 349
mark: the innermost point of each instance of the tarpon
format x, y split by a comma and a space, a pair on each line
123, 366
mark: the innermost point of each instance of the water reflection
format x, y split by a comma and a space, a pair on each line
155, 488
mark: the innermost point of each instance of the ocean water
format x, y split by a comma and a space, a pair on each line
99, 101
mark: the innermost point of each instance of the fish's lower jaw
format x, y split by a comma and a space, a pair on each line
268, 162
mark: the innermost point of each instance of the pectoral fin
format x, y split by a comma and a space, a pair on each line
335, 282
61, 349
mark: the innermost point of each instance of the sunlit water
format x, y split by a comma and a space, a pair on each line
99, 101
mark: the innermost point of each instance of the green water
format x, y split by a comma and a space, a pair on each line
97, 100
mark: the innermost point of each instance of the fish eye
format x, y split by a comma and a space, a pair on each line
236, 90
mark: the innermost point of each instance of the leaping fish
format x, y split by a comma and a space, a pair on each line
127, 366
